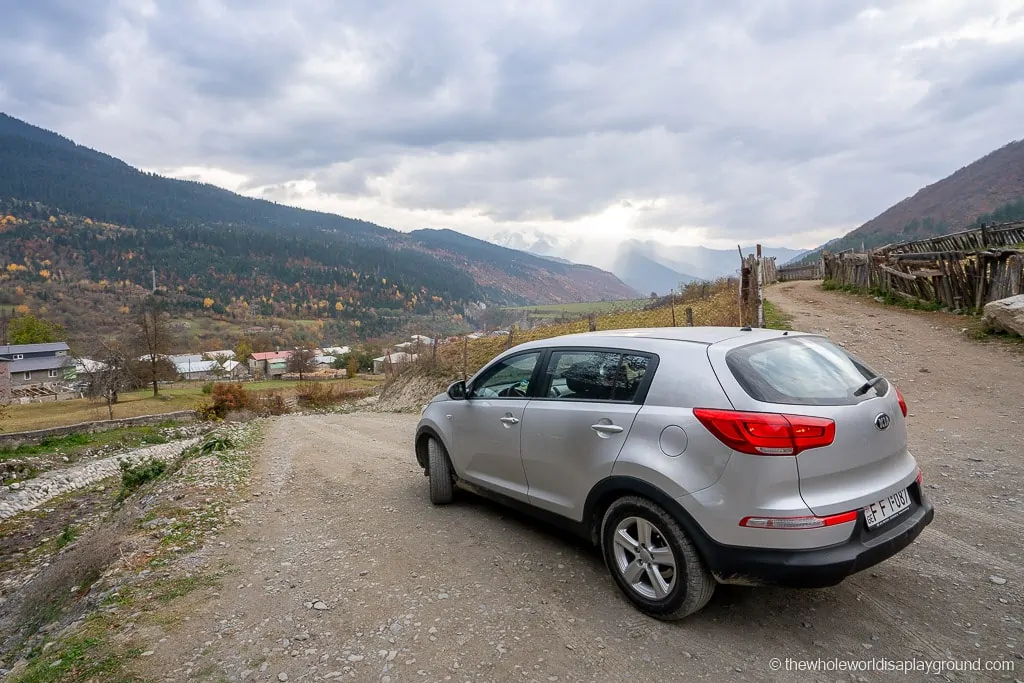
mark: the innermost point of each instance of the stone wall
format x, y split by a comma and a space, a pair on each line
5, 383
15, 439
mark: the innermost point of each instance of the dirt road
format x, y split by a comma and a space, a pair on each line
343, 570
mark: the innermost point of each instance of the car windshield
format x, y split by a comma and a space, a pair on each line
802, 371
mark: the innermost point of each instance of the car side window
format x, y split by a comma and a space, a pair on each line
594, 375
508, 379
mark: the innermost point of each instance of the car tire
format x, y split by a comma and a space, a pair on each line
439, 470
662, 590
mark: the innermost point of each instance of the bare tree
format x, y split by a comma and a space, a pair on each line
302, 360
153, 337
112, 374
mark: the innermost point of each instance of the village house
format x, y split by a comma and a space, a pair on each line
268, 364
38, 364
207, 366
402, 354
36, 372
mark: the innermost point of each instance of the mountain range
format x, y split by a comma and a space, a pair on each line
988, 190
94, 218
645, 265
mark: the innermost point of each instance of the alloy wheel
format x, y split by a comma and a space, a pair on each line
644, 559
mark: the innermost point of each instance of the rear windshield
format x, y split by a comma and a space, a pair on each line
802, 371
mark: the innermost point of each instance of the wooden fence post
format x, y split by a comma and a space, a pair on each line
465, 358
592, 320
672, 295
743, 268
760, 287
689, 317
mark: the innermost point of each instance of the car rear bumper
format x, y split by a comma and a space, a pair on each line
819, 567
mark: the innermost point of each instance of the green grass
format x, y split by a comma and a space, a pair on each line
775, 318
83, 656
582, 308
69, 534
72, 444
134, 476
171, 589
887, 297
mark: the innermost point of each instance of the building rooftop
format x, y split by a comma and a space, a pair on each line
10, 349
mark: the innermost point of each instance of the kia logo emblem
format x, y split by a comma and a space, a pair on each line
882, 421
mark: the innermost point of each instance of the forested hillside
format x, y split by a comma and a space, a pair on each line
989, 190
74, 217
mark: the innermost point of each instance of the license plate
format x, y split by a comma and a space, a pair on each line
882, 511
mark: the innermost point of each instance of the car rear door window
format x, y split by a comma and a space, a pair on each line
802, 371
594, 376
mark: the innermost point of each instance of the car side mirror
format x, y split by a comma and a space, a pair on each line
457, 391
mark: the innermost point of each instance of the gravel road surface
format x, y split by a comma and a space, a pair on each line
342, 570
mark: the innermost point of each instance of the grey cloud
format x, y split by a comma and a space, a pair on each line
742, 116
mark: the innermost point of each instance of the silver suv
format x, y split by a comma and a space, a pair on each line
690, 456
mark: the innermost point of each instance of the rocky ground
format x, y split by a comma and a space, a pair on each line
80, 569
338, 567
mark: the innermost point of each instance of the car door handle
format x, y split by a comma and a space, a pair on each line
606, 429
509, 420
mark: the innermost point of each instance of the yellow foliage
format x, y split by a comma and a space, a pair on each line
207, 302
21, 308
383, 280
88, 221
122, 309
45, 273
53, 219
339, 306
20, 291
15, 268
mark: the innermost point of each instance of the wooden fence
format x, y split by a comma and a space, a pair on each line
961, 271
808, 271
756, 271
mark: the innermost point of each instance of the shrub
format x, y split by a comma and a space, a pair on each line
216, 443
352, 367
229, 396
208, 388
273, 404
206, 412
134, 476
316, 395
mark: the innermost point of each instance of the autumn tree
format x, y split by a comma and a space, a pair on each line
28, 329
114, 372
302, 360
352, 367
152, 336
243, 349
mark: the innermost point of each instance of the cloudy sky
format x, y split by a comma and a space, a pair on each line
700, 122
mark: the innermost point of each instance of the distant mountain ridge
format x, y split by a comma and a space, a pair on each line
990, 189
442, 271
646, 266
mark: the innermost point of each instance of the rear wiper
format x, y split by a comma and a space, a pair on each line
870, 384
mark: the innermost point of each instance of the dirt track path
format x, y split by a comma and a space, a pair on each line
472, 592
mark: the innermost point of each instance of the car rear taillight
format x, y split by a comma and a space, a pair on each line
903, 402
920, 476
767, 433
798, 522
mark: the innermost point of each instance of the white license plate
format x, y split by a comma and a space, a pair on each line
882, 511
